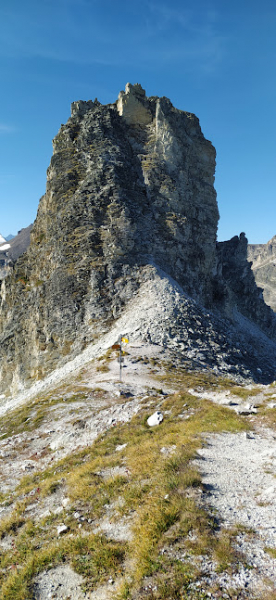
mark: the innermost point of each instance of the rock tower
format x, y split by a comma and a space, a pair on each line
130, 186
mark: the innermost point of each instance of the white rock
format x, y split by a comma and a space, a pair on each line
58, 510
27, 467
65, 502
55, 444
121, 447
62, 529
269, 493
246, 409
167, 450
155, 419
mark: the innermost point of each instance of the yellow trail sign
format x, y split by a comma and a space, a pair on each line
125, 340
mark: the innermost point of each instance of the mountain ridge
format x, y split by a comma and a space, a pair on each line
263, 259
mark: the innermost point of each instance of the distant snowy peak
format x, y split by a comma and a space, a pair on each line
2, 240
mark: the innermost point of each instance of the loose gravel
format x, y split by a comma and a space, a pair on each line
238, 472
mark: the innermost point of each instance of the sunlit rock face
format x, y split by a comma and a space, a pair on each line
130, 188
263, 258
129, 183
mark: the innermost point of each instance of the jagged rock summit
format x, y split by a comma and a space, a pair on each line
263, 258
129, 200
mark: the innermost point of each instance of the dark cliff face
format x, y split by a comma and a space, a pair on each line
129, 183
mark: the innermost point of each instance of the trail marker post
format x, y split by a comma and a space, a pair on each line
118, 346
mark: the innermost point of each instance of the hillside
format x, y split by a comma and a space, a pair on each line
102, 506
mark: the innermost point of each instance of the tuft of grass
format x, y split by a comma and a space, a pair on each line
271, 551
92, 556
268, 415
12, 523
102, 368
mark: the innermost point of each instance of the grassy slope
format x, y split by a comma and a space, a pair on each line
159, 490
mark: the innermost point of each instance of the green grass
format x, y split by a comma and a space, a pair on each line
31, 415
92, 556
159, 491
271, 552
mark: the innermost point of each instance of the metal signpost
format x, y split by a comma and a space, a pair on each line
118, 346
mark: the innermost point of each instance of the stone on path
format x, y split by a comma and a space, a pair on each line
155, 419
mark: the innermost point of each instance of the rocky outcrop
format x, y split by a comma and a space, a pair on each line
236, 286
129, 187
263, 259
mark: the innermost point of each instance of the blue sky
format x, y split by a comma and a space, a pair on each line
214, 58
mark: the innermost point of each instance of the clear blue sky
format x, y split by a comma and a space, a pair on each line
215, 58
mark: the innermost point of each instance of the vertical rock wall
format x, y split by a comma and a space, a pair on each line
129, 183
236, 287
263, 259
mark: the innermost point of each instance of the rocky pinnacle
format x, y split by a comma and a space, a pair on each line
130, 194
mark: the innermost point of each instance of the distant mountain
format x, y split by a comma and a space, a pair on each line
10, 237
12, 249
20, 242
263, 258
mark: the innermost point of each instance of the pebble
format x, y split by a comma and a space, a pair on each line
120, 447
27, 467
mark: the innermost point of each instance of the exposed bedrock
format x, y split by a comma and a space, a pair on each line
130, 184
263, 258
